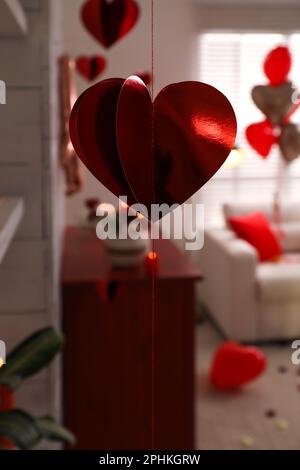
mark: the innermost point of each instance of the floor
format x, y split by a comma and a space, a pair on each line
265, 414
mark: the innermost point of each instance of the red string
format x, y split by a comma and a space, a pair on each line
153, 316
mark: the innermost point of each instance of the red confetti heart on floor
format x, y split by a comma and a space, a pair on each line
235, 365
160, 152
109, 21
90, 67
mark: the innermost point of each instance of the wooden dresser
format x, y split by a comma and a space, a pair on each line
107, 318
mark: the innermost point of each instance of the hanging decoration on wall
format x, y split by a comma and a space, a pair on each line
235, 365
160, 152
108, 21
90, 67
277, 101
68, 158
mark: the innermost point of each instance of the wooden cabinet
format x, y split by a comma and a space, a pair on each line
119, 392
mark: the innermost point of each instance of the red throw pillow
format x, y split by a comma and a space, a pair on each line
256, 230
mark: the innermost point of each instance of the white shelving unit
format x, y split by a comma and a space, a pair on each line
11, 213
13, 20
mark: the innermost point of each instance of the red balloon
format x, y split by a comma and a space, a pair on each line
90, 67
261, 137
160, 152
109, 21
277, 65
234, 365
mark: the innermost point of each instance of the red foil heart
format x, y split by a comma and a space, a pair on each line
261, 137
90, 67
109, 21
277, 65
160, 152
184, 137
235, 365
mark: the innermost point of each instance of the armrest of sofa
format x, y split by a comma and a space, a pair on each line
229, 266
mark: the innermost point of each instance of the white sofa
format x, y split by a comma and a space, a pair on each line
250, 300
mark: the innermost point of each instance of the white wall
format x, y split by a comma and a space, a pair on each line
175, 59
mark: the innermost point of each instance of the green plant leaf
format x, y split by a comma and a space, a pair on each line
20, 428
50, 429
31, 356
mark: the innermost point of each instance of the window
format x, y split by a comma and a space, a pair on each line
233, 64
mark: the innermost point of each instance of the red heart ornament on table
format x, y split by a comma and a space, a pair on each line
160, 152
277, 65
261, 137
109, 21
90, 67
235, 365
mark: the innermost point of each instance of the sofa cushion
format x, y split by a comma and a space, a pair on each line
256, 230
278, 281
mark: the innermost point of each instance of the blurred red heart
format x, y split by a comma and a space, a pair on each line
277, 65
261, 137
90, 67
160, 152
109, 21
235, 365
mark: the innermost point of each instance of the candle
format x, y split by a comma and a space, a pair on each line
151, 263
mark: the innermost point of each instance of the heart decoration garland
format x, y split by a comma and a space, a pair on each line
90, 67
234, 365
277, 102
152, 152
109, 20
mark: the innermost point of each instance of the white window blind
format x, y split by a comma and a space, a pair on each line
233, 63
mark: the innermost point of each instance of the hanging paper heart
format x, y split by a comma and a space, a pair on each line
90, 67
235, 365
93, 134
109, 20
160, 152
289, 142
277, 65
261, 137
274, 101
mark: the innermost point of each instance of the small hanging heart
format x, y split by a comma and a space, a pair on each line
90, 67
146, 77
109, 21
